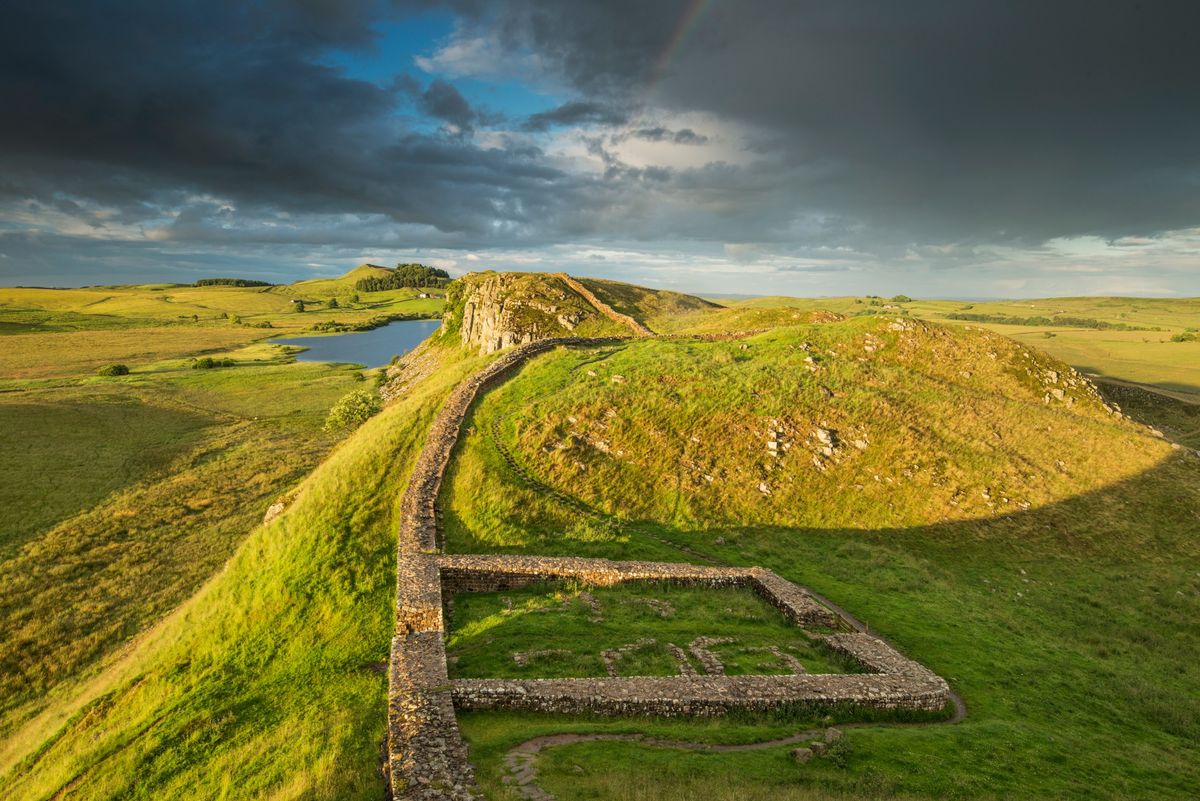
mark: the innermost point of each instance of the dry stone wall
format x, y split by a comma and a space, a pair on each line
697, 696
493, 573
427, 758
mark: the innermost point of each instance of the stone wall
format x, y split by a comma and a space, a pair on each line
418, 507
698, 696
602, 307
426, 756
492, 573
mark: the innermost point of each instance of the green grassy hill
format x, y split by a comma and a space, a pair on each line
247, 310
1130, 339
967, 495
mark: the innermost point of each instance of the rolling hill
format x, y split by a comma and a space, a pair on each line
973, 498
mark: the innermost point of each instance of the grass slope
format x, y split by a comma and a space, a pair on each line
1070, 622
267, 683
127, 494
653, 307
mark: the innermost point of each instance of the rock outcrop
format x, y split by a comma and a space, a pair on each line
505, 309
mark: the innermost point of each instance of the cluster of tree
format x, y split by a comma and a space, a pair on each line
231, 282
113, 369
405, 275
1065, 322
1190, 335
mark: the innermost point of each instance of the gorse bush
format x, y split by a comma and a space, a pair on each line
113, 369
352, 410
231, 282
208, 363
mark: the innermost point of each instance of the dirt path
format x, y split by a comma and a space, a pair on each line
521, 759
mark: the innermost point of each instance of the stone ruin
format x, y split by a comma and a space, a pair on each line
426, 756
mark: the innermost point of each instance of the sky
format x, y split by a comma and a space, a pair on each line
1007, 148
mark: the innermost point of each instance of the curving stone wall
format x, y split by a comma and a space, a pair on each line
602, 307
427, 758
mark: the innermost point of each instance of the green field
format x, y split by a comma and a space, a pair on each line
1037, 550
571, 631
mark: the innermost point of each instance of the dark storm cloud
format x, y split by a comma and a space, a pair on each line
576, 112
1011, 119
137, 106
875, 125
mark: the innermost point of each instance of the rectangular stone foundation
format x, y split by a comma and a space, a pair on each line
489, 573
698, 696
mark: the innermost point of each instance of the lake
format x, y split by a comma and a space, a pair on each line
373, 348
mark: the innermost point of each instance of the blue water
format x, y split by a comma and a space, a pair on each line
369, 348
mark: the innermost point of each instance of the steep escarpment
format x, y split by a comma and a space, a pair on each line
487, 312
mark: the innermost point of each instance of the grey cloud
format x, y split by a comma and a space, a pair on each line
443, 101
684, 136
1012, 121
886, 127
578, 112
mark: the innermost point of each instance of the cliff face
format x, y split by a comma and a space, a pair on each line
504, 309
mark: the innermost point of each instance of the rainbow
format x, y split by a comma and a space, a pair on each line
687, 24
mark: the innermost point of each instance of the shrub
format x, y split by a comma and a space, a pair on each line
838, 753
208, 363
352, 410
1189, 335
333, 303
901, 299
113, 369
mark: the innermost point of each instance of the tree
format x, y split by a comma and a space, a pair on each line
299, 304
333, 304
352, 410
